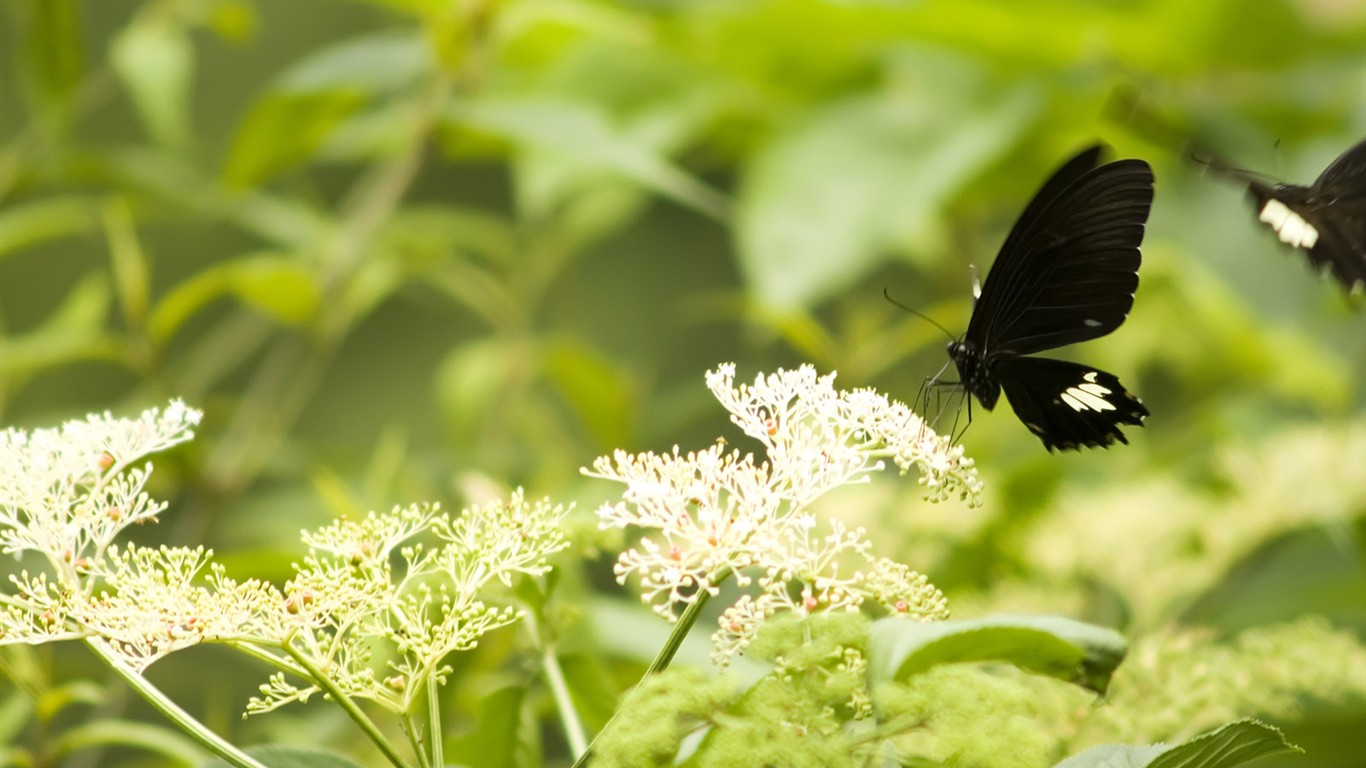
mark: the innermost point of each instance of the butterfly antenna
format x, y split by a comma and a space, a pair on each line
1224, 169
888, 296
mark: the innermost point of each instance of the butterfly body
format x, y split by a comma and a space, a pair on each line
1066, 273
973, 372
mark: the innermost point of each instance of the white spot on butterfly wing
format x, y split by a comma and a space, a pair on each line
1088, 396
1092, 323
1290, 227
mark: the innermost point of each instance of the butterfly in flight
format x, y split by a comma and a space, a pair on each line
1066, 273
1326, 220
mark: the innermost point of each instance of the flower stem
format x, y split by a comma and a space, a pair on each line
184, 720
434, 720
349, 706
559, 689
666, 654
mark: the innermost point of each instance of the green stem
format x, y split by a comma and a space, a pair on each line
559, 689
434, 721
349, 706
410, 732
667, 652
159, 701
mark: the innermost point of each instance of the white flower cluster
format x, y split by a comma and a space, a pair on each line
713, 513
65, 494
347, 594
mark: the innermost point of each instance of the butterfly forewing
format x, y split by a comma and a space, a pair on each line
1345, 176
1069, 268
1067, 273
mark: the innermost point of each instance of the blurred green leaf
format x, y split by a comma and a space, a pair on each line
271, 282
592, 688
54, 52
283, 130
131, 279
289, 757
154, 59
373, 64
624, 629
55, 701
499, 737
233, 20
470, 381
578, 139
162, 740
74, 331
285, 220
44, 219
1225, 747
826, 201
300, 111
1079, 653
600, 392
15, 712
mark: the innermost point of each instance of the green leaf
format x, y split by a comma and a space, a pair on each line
305, 106
74, 331
45, 219
826, 202
470, 381
1079, 653
283, 130
277, 756
16, 709
55, 701
372, 64
574, 140
601, 393
625, 629
270, 282
131, 279
54, 51
592, 688
1227, 746
155, 60
496, 739
159, 739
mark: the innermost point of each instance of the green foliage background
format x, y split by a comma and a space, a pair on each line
417, 249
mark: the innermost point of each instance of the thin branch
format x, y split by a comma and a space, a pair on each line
160, 702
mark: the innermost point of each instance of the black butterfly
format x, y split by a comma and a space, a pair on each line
1067, 273
1327, 219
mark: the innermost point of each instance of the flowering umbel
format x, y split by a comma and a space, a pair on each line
407, 586
711, 513
65, 495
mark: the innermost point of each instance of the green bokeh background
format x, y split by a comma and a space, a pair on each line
414, 250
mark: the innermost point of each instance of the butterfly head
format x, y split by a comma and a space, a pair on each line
973, 373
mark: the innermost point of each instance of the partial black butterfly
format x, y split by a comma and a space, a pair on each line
1067, 273
1326, 220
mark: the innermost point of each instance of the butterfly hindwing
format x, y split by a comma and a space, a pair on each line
1069, 267
1068, 405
